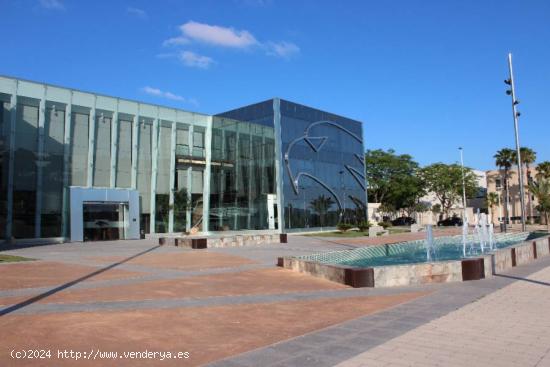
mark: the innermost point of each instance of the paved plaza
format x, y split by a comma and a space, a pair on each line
234, 307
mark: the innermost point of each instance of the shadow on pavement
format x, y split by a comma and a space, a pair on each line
39, 297
523, 279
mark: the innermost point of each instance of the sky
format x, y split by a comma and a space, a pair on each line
424, 76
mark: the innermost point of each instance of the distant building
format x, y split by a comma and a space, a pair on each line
495, 183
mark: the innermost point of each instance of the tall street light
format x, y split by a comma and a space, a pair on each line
463, 185
512, 92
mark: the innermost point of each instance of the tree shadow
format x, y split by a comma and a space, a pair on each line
62, 287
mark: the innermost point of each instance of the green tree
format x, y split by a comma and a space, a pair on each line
543, 170
393, 179
541, 190
491, 200
322, 205
181, 204
528, 157
445, 181
504, 159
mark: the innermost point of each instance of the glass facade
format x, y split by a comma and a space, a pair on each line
272, 165
242, 174
323, 169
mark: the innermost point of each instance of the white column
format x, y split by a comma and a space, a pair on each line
91, 145
188, 212
172, 175
39, 163
206, 177
279, 163
13, 121
114, 146
154, 165
250, 177
66, 166
135, 141
237, 172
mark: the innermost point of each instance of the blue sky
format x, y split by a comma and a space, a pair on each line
424, 76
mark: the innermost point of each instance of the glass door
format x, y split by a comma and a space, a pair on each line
104, 221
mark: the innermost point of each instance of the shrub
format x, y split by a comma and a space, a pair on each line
364, 225
385, 224
344, 227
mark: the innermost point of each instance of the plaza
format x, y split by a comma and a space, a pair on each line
233, 307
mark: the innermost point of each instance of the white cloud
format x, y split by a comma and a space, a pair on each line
218, 35
282, 49
168, 95
52, 4
139, 13
195, 60
176, 41
227, 37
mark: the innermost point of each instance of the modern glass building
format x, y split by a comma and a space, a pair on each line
80, 166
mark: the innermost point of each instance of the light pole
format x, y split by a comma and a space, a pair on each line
512, 92
463, 185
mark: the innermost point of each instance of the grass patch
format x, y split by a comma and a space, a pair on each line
13, 259
338, 234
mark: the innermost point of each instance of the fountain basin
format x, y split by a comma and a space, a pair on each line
405, 263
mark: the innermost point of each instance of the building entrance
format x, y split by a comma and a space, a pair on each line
105, 221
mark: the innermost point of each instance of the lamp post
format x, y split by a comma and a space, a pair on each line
463, 185
512, 92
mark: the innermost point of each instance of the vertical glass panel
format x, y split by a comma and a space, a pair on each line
197, 185
24, 175
102, 150
79, 148
182, 140
198, 141
124, 154
163, 177
180, 199
144, 172
4, 161
52, 174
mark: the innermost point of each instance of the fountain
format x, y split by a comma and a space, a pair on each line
464, 236
430, 250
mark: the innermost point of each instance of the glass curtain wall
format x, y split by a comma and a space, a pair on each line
24, 175
163, 177
144, 172
240, 175
52, 171
325, 154
4, 162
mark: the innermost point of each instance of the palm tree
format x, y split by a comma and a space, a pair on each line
321, 205
528, 157
543, 170
504, 160
541, 190
492, 200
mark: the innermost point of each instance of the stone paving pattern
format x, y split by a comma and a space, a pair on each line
233, 307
